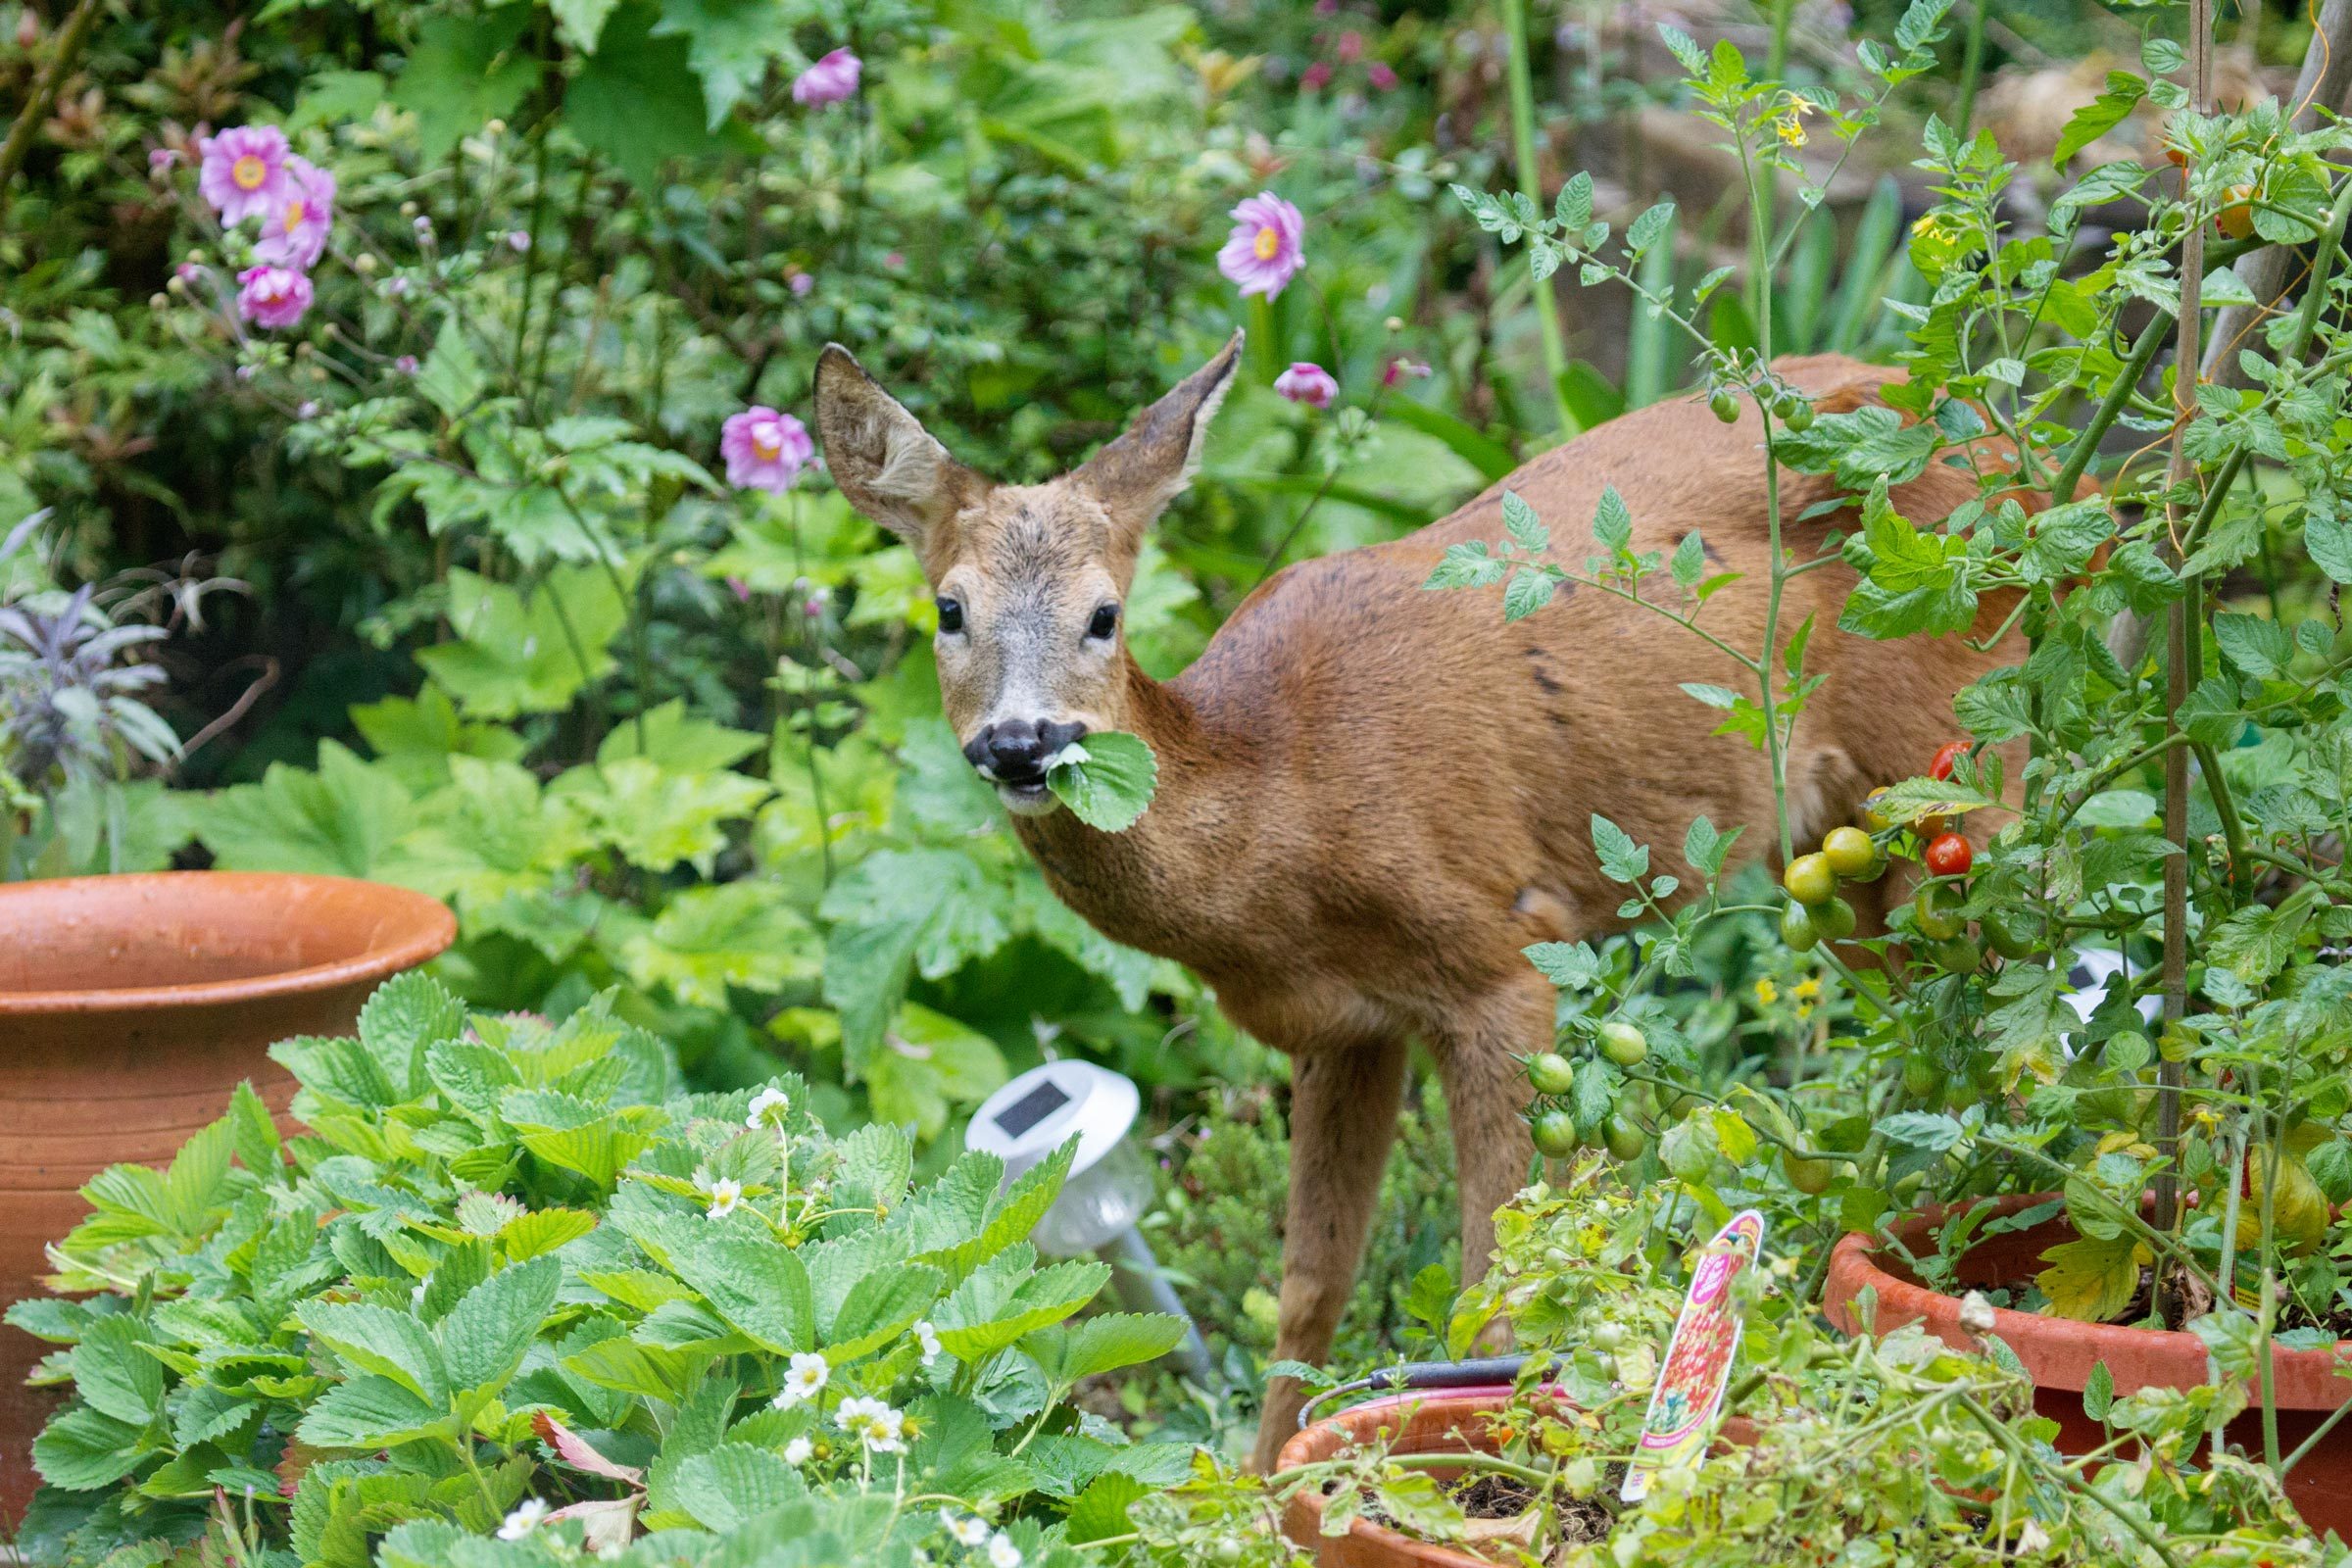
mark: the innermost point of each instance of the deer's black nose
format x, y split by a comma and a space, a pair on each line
1014, 750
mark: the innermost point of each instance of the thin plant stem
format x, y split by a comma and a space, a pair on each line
70, 40
1531, 183
1972, 66
2119, 397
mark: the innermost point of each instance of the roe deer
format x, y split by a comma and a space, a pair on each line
1372, 798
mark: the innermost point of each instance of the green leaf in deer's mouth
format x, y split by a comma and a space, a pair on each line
1106, 779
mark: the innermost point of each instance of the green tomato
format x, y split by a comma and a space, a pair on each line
1625, 1139
1920, 1076
1810, 1177
1797, 415
1622, 1043
1797, 928
1552, 1073
1960, 955
1726, 404
1555, 1134
1854, 855
1810, 880
2011, 933
1938, 912
1835, 920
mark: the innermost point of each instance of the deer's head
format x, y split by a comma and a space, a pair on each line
1032, 579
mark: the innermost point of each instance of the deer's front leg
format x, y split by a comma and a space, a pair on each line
1485, 1088
1344, 1104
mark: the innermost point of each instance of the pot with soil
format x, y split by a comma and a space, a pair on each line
2061, 1354
1459, 1421
1410, 1423
129, 1007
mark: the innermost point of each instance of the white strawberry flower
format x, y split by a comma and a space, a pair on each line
802, 1379
523, 1520
874, 1424
798, 1450
726, 1194
972, 1531
928, 1338
1001, 1552
768, 1106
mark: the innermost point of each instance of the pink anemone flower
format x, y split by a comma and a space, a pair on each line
829, 80
764, 450
295, 235
1265, 250
244, 172
1307, 382
272, 296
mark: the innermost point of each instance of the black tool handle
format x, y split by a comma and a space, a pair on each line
1480, 1373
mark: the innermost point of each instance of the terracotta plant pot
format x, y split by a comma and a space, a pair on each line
1454, 1421
2062, 1355
129, 1007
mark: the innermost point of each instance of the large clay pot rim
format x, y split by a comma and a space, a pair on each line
1856, 1260
407, 929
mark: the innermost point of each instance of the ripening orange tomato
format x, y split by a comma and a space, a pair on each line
2236, 220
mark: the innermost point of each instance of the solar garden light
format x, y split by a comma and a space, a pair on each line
1109, 1184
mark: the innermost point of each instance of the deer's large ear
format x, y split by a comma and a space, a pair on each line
1139, 473
885, 462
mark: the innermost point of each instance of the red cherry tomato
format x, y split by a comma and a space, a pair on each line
1950, 856
1952, 752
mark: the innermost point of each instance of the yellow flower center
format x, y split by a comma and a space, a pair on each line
249, 172
293, 215
768, 442
1268, 242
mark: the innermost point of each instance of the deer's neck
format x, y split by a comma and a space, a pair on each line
1167, 883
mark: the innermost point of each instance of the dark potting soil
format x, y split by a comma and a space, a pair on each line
2293, 1314
1490, 1498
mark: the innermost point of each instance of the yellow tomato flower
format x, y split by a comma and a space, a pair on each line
1767, 992
1807, 988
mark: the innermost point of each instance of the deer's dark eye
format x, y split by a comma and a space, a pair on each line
1105, 621
951, 615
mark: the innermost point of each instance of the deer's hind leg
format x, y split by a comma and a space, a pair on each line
1344, 1104
1486, 1089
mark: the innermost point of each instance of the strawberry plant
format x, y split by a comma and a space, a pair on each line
510, 1290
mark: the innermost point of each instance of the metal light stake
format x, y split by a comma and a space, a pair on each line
1109, 1186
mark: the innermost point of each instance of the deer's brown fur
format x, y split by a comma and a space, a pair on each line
1373, 796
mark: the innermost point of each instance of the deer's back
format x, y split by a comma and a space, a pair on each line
1431, 765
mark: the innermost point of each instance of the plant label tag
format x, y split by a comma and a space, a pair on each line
1688, 1395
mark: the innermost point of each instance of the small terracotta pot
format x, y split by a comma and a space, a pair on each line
1455, 1421
2061, 1354
129, 1007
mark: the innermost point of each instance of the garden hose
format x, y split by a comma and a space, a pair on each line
1483, 1372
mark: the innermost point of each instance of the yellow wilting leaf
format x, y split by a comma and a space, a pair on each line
2092, 1281
2299, 1216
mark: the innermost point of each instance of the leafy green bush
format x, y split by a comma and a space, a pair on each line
511, 1279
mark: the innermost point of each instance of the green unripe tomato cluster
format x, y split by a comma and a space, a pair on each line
1552, 1125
